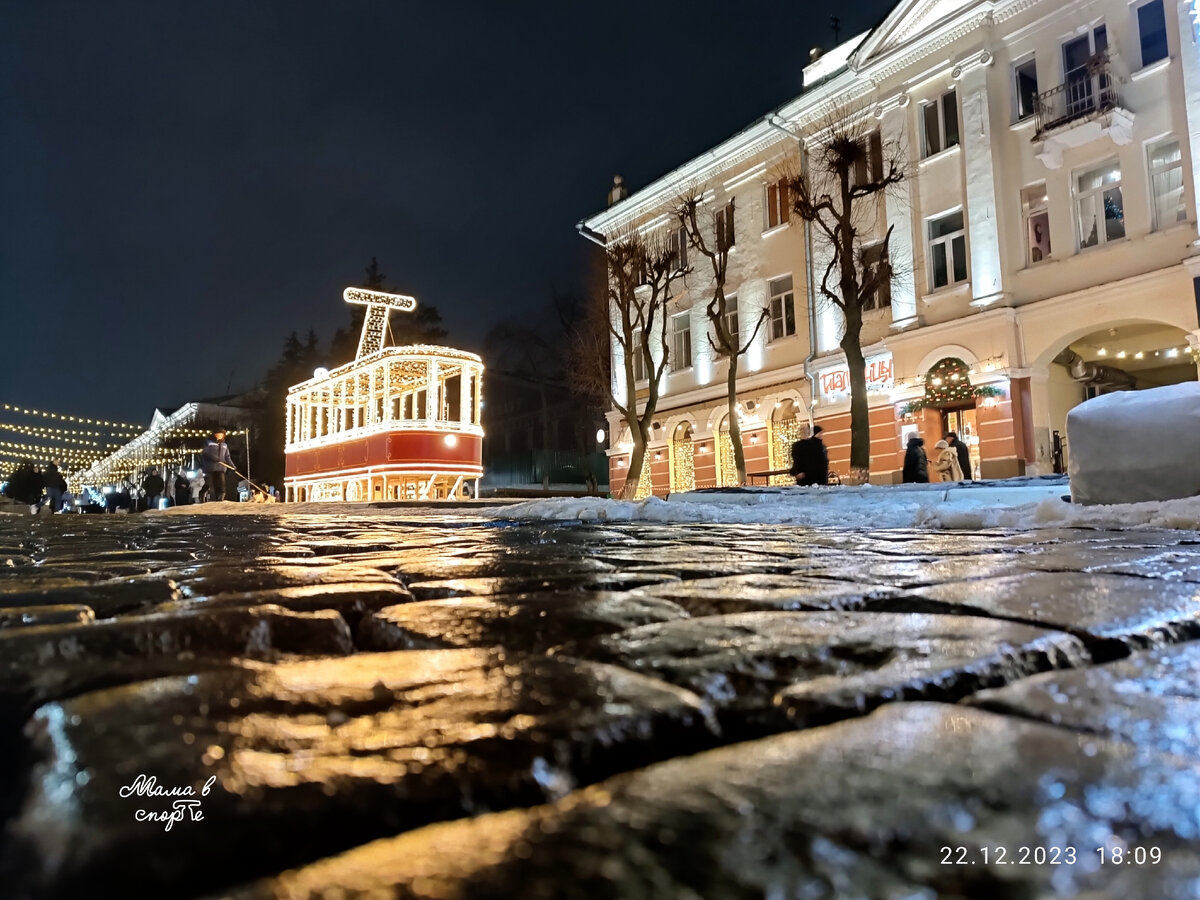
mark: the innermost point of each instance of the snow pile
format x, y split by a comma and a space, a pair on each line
1133, 446
867, 509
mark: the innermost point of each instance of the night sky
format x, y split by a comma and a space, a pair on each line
182, 184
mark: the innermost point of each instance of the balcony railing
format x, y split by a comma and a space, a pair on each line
1088, 90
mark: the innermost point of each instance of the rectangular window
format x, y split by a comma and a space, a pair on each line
776, 205
783, 307
724, 227
1166, 184
1152, 31
940, 120
1099, 205
681, 341
640, 367
1037, 223
731, 321
678, 243
869, 166
947, 250
1085, 73
872, 258
1025, 88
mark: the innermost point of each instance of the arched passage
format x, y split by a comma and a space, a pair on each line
1086, 361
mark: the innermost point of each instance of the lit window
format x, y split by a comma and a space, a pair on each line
1037, 223
776, 204
940, 119
783, 308
947, 250
872, 258
1025, 88
1166, 184
1152, 31
1099, 205
681, 341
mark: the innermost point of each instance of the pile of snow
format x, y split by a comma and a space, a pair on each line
1135, 446
866, 508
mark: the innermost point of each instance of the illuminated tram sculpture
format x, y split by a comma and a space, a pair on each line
398, 423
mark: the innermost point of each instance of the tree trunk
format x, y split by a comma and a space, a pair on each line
637, 459
735, 428
860, 419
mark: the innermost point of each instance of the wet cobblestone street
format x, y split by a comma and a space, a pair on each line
421, 703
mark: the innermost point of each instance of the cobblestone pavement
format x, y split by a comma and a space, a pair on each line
433, 705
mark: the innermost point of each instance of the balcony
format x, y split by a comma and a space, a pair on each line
1085, 108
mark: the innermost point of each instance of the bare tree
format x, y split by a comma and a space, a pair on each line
725, 341
848, 170
630, 316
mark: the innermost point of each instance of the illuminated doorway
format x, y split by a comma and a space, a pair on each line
683, 459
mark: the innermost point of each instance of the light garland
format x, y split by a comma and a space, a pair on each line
783, 434
40, 430
683, 465
64, 418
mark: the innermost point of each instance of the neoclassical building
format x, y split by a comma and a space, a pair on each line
1045, 240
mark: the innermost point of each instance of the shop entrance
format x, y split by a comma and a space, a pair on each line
961, 420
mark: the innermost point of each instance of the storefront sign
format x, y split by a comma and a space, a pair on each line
835, 382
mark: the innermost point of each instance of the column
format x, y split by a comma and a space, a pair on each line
477, 374
893, 129
1189, 54
464, 395
287, 428
373, 382
1039, 398
387, 401
983, 227
431, 392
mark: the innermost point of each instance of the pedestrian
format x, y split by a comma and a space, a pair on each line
196, 486
25, 485
216, 460
183, 495
916, 465
153, 486
963, 453
946, 463
810, 459
55, 485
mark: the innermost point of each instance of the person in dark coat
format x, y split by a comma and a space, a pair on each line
153, 485
916, 465
55, 485
964, 455
216, 461
810, 459
183, 494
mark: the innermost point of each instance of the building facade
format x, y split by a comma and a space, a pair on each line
1044, 239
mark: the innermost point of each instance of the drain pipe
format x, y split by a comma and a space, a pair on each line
808, 272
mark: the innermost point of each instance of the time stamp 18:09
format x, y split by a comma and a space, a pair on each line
1049, 856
